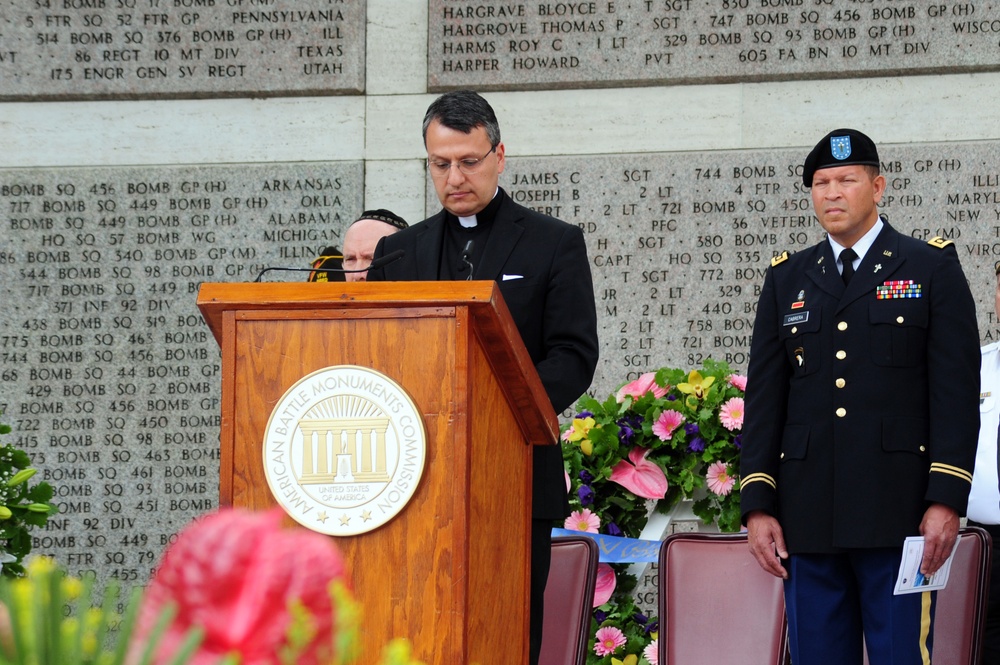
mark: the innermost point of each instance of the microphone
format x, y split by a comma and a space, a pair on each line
327, 265
383, 261
466, 253
380, 262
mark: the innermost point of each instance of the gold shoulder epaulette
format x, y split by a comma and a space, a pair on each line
939, 242
780, 258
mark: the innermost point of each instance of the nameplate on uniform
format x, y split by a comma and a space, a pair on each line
798, 317
898, 288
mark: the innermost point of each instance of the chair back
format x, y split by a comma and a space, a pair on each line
960, 615
569, 600
716, 603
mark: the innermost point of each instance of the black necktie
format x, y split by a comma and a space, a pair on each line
847, 260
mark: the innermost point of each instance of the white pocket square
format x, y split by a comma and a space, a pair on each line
507, 278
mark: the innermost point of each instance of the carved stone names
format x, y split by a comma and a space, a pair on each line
520, 45
157, 48
680, 242
110, 377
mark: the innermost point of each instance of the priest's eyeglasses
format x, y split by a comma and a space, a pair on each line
440, 168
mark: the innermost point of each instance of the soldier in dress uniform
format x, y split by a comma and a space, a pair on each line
862, 415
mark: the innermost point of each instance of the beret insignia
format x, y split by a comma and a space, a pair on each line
780, 258
939, 242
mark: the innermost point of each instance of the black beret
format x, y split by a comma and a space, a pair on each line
385, 216
841, 147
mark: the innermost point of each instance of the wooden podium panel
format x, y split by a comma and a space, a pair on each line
451, 571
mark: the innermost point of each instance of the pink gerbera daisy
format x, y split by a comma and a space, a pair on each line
608, 639
665, 425
652, 652
738, 381
719, 479
731, 414
583, 520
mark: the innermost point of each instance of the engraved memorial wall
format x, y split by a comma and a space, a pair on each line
76, 49
680, 242
531, 45
110, 377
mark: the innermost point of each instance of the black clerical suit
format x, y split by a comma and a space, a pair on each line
541, 266
862, 400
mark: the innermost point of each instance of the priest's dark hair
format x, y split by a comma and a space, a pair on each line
463, 111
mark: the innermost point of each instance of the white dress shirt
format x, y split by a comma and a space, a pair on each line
984, 498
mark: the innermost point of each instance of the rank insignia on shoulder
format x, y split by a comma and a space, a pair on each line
780, 258
939, 242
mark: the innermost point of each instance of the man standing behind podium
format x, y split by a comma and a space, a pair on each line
540, 264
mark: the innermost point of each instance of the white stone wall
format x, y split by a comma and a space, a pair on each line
383, 127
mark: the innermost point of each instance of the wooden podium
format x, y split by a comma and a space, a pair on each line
451, 571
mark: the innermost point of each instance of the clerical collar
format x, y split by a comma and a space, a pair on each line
484, 216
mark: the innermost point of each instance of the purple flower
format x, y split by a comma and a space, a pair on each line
691, 429
640, 618
584, 414
697, 444
586, 476
627, 427
671, 398
612, 529
586, 495
652, 626
738, 441
625, 434
600, 617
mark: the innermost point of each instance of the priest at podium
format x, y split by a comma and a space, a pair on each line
540, 264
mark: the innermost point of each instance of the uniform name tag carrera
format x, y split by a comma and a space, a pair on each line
794, 319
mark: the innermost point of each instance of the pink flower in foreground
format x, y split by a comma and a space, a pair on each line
731, 414
644, 384
640, 476
652, 652
608, 639
606, 583
665, 425
583, 520
719, 479
738, 381
237, 574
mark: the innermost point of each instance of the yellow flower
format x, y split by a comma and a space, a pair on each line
630, 659
696, 385
579, 433
398, 652
72, 587
40, 566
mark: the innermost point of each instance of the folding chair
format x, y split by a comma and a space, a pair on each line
961, 606
569, 601
716, 603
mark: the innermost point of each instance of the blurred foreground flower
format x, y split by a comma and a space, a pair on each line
264, 594
50, 618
